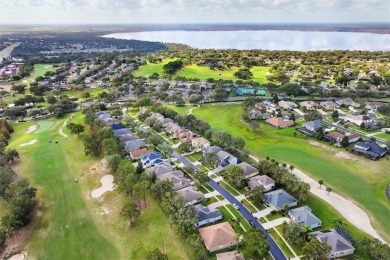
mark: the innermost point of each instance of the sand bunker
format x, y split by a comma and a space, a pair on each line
20, 256
31, 129
107, 185
29, 143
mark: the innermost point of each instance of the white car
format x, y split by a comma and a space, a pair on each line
236, 206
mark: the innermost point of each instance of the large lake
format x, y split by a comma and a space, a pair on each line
266, 40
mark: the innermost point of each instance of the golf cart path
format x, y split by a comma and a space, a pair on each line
62, 127
190, 111
347, 208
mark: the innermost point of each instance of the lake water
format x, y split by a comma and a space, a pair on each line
266, 40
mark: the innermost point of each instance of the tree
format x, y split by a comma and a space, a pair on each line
256, 194
314, 115
51, 100
155, 139
131, 211
113, 162
293, 232
156, 255
338, 222
319, 133
335, 114
374, 248
255, 243
292, 117
362, 125
235, 176
139, 168
328, 189
20, 89
291, 167
345, 141
10, 155
285, 208
161, 188
180, 102
321, 182
316, 250
255, 125
210, 159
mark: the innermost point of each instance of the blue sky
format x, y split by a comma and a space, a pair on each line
192, 11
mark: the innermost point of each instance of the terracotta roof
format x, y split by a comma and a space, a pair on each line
231, 255
139, 152
218, 235
279, 122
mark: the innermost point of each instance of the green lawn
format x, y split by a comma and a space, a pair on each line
385, 136
70, 223
281, 243
229, 188
201, 72
347, 177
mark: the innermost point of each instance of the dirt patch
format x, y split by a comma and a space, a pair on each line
31, 129
29, 143
20, 256
13, 245
98, 168
337, 153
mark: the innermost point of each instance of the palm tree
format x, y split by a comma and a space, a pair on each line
321, 182
338, 222
285, 208
306, 229
291, 167
328, 190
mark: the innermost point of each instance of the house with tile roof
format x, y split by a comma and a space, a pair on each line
278, 198
136, 154
340, 245
329, 105
231, 255
304, 216
264, 181
200, 143
309, 105
177, 178
206, 215
279, 122
249, 170
218, 237
190, 194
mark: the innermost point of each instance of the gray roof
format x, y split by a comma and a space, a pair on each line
212, 149
189, 194
160, 169
122, 131
313, 124
260, 181
134, 144
247, 168
177, 178
304, 216
334, 239
278, 198
205, 213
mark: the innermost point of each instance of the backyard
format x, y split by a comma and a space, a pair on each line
345, 176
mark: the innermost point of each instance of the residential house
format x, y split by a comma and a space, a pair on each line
312, 126
266, 182
347, 102
358, 119
160, 169
116, 126
200, 143
110, 120
226, 159
309, 105
177, 178
171, 127
136, 154
304, 216
231, 255
278, 198
374, 105
218, 237
278, 122
151, 159
329, 105
249, 170
190, 194
187, 137
288, 105
127, 137
340, 245
143, 110
370, 149
122, 131
103, 115
134, 145
212, 149
254, 114
336, 137
206, 216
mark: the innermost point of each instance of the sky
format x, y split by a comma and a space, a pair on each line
192, 11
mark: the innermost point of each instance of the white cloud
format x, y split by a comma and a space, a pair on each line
163, 11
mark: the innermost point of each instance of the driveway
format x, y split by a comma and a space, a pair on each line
218, 204
275, 222
274, 248
185, 161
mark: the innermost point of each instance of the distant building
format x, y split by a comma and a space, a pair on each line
370, 149
278, 122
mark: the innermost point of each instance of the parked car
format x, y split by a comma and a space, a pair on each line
236, 206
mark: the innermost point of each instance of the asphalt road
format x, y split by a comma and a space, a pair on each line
185, 161
273, 247
5, 53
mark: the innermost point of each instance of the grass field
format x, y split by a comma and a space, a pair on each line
73, 225
39, 70
364, 180
201, 72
